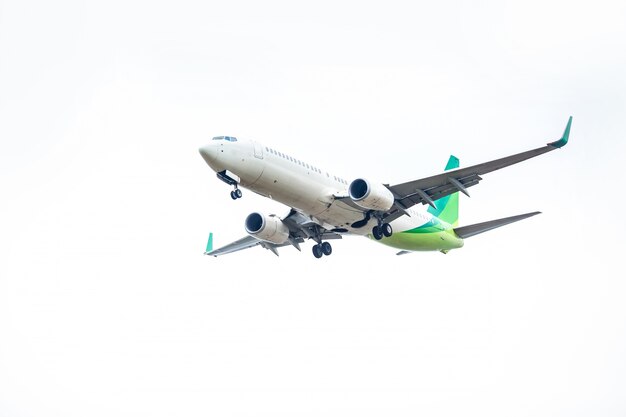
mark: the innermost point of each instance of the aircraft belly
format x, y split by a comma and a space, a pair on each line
341, 215
308, 196
295, 191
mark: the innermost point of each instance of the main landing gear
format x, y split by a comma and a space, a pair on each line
236, 193
379, 231
382, 230
322, 249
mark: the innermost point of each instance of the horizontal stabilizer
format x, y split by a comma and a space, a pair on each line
475, 229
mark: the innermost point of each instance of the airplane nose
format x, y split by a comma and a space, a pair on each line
209, 153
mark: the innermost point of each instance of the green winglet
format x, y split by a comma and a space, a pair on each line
209, 244
563, 141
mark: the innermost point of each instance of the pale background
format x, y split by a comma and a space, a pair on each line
107, 306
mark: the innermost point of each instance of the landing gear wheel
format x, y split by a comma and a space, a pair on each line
377, 233
235, 194
326, 248
317, 251
386, 229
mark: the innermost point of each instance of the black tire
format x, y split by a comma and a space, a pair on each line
387, 230
238, 193
327, 249
377, 233
233, 195
317, 251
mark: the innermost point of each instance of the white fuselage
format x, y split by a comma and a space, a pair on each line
296, 184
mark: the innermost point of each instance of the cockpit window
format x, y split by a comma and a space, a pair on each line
228, 138
218, 138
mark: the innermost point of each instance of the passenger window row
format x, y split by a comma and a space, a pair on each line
302, 164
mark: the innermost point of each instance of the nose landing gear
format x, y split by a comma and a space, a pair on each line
236, 193
230, 179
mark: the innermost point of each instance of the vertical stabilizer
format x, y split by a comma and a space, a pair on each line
448, 206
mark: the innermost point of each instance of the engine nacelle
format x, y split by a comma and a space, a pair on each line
370, 196
268, 228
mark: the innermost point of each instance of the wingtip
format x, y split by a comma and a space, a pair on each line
209, 244
563, 141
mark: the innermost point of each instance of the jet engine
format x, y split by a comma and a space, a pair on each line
370, 196
268, 228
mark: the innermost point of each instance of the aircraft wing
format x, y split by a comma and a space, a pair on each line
241, 244
250, 242
429, 190
300, 227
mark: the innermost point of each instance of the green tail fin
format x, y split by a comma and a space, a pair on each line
448, 206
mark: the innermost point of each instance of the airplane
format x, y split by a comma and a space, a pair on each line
326, 207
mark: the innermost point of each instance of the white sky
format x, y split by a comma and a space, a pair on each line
107, 306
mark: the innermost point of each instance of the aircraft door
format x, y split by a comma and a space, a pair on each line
258, 150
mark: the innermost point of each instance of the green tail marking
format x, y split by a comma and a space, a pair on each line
209, 244
448, 206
